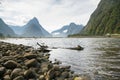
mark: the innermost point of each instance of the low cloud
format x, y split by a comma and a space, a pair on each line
52, 14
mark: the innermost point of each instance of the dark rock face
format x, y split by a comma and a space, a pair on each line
105, 19
5, 30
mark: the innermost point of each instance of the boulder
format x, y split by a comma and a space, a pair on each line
78, 78
8, 71
50, 75
30, 55
6, 77
42, 77
29, 74
31, 63
10, 64
2, 71
65, 74
44, 66
16, 72
19, 78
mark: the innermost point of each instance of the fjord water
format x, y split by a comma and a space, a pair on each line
100, 59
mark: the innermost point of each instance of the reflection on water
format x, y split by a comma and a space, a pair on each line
100, 59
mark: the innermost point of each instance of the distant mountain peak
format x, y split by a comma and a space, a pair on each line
72, 24
33, 21
72, 28
33, 28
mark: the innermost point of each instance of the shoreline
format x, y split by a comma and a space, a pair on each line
19, 62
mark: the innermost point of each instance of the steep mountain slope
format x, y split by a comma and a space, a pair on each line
17, 29
5, 30
105, 19
34, 29
70, 29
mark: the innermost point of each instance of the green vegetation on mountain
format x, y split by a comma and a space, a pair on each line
105, 19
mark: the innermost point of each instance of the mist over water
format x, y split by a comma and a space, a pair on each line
100, 59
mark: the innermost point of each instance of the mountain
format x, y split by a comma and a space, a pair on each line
5, 30
17, 29
70, 29
105, 19
34, 29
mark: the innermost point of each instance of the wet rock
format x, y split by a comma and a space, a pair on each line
57, 73
2, 71
31, 63
7, 58
19, 78
29, 74
7, 53
10, 64
57, 62
30, 55
6, 77
56, 68
8, 71
66, 67
44, 66
65, 74
60, 78
50, 75
42, 77
16, 72
78, 78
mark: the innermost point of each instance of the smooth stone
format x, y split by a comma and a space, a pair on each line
30, 55
19, 78
2, 71
78, 78
44, 66
42, 77
57, 73
16, 72
8, 71
10, 64
65, 74
60, 78
50, 74
6, 77
31, 63
29, 74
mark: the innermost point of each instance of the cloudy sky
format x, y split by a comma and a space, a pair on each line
52, 14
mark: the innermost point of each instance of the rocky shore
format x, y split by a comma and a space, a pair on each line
19, 62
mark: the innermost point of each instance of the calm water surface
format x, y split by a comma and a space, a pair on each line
100, 59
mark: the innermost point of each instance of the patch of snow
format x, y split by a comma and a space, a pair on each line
56, 33
65, 31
